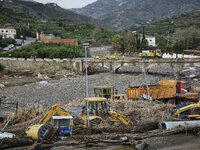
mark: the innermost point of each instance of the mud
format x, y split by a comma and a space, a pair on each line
174, 142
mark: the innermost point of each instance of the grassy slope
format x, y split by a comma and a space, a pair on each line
172, 24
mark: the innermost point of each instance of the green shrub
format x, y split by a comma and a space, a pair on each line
50, 50
1, 67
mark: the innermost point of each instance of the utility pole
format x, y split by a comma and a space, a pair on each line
86, 45
149, 98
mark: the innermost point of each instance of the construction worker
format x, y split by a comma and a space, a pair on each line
123, 57
107, 56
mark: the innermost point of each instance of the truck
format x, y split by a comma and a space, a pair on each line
167, 89
151, 53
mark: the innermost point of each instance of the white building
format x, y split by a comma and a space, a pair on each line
151, 40
7, 32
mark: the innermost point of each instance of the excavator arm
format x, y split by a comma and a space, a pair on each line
117, 118
54, 110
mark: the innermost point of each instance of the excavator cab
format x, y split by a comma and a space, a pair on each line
97, 107
108, 92
104, 91
158, 53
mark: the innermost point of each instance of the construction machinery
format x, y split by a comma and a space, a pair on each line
46, 129
151, 53
99, 112
191, 111
167, 89
108, 92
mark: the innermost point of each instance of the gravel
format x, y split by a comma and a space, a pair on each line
162, 70
64, 90
129, 69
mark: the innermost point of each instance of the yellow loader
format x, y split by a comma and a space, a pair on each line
99, 112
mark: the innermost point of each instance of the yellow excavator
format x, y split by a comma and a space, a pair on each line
191, 111
44, 130
108, 92
99, 112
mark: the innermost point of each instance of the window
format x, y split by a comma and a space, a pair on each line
6, 30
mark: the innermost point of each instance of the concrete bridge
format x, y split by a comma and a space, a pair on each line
78, 65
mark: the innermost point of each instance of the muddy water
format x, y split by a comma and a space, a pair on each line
174, 142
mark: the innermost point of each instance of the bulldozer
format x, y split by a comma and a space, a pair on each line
191, 111
100, 112
108, 92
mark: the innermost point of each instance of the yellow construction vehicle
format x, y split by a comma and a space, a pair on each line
191, 111
108, 92
151, 54
55, 110
96, 57
99, 112
45, 130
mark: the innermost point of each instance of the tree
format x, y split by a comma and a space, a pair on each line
129, 41
144, 43
187, 39
124, 42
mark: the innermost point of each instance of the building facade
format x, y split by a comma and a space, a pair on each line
50, 38
151, 40
8, 32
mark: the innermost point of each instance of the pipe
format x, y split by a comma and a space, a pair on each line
174, 124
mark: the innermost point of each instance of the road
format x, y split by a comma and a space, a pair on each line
28, 41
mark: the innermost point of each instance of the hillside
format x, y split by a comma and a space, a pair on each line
47, 11
27, 25
122, 14
171, 24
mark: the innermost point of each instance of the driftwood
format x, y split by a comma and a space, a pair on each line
15, 142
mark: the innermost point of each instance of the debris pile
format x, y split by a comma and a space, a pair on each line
190, 72
140, 110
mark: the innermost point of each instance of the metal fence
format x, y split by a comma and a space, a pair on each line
8, 107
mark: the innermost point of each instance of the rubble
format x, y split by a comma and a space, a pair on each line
190, 72
129, 69
2, 86
161, 70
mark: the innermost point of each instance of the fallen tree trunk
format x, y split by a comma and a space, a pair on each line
15, 142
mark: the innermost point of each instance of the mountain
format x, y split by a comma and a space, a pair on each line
122, 14
171, 24
47, 11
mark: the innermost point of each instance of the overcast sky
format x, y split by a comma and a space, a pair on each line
68, 3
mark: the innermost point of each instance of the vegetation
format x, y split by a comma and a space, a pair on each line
187, 38
168, 26
5, 42
84, 32
50, 50
129, 42
1, 67
27, 21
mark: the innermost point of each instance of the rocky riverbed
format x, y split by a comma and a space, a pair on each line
62, 91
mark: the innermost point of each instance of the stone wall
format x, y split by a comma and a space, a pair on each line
78, 65
17, 64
